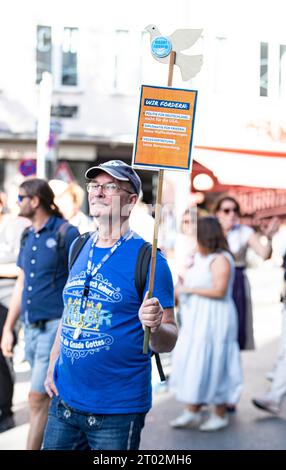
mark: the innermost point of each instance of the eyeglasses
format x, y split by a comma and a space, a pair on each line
228, 210
107, 188
22, 196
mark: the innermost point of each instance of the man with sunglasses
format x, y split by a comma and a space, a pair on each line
37, 295
98, 376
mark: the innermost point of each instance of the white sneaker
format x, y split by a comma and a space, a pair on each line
188, 419
214, 423
266, 405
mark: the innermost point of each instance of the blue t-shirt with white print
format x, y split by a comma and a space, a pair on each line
104, 371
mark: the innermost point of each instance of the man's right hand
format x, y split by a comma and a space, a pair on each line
50, 387
7, 343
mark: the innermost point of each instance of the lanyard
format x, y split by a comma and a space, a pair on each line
92, 270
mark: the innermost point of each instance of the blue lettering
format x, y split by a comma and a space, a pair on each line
149, 102
167, 104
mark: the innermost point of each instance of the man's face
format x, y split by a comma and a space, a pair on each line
26, 205
109, 203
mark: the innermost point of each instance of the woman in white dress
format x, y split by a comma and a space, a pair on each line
206, 365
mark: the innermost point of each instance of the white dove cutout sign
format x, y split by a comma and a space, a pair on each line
166, 121
166, 115
180, 40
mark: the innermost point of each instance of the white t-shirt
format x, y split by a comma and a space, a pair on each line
238, 237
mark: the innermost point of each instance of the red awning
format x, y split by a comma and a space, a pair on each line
244, 167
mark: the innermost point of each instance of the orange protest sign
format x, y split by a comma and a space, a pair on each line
165, 128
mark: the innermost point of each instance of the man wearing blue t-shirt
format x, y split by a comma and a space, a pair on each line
99, 378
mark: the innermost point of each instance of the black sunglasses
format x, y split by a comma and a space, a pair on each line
22, 196
229, 210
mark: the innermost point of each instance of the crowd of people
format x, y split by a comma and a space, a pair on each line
69, 278
77, 312
214, 302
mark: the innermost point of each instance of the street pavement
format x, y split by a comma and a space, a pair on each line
249, 427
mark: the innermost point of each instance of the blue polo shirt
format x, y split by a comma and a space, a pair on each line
45, 266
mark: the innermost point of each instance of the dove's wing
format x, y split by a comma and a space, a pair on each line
189, 65
184, 38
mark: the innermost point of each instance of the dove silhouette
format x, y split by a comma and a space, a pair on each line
180, 40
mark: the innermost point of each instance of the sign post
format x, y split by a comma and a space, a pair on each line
43, 130
157, 219
164, 136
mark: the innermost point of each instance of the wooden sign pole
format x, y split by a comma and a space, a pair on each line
157, 219
171, 68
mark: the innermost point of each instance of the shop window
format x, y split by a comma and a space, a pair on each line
263, 69
69, 57
126, 73
44, 51
282, 71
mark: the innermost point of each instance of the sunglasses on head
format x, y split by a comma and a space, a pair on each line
228, 210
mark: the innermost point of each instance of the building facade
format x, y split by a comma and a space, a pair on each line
98, 57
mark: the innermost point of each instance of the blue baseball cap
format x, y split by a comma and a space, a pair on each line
119, 170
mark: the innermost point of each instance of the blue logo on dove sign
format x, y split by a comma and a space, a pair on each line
161, 47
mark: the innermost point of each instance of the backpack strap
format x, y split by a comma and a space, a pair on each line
77, 247
159, 366
24, 237
141, 271
61, 233
142, 266
60, 240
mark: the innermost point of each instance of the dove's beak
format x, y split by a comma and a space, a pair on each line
148, 28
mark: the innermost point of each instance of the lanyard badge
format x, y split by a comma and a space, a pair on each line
91, 272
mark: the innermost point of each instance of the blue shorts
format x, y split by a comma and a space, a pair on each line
38, 345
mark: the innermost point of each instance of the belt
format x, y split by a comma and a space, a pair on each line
41, 324
11, 277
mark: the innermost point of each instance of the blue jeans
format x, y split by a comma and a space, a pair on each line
70, 429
